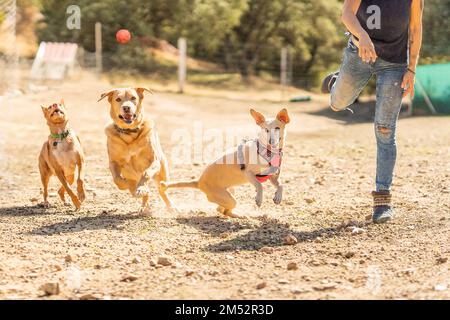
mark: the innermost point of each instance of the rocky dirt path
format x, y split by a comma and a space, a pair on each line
106, 251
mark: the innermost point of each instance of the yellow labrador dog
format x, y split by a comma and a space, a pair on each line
61, 154
135, 154
254, 161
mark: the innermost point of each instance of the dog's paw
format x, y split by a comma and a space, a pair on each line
121, 183
81, 196
76, 203
80, 191
220, 209
45, 205
231, 214
174, 210
141, 192
145, 212
258, 199
278, 197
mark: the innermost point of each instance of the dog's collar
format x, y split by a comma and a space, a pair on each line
126, 131
61, 136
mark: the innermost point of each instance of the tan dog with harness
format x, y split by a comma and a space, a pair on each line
135, 154
254, 161
61, 155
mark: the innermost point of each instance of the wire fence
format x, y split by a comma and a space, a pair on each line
9, 60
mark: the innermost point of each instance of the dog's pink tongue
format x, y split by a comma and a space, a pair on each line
128, 117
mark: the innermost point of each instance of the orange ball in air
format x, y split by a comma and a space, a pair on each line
123, 36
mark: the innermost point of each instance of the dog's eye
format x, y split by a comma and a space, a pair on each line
133, 98
267, 130
118, 99
277, 128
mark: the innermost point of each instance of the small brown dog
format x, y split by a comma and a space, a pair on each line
135, 154
61, 154
254, 161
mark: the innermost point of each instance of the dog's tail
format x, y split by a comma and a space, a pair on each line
184, 184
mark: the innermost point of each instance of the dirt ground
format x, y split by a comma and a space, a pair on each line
107, 251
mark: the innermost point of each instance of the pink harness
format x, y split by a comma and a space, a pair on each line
274, 160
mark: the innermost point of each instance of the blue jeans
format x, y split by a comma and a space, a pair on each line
353, 77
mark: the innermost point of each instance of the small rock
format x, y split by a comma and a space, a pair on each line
349, 254
325, 287
50, 289
261, 285
310, 200
290, 240
355, 230
165, 261
298, 291
292, 266
89, 296
57, 267
441, 260
229, 257
136, 260
129, 278
267, 250
224, 235
153, 262
315, 263
440, 287
68, 258
406, 272
189, 273
34, 200
283, 281
176, 265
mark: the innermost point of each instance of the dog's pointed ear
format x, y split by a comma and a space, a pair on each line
140, 91
62, 102
107, 94
44, 110
283, 116
259, 117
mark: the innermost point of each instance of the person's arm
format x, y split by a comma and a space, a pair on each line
351, 22
415, 43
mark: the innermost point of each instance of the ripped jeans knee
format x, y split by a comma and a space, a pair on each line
385, 134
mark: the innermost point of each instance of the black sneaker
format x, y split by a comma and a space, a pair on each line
329, 81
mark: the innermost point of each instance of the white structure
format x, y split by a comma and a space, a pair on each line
54, 61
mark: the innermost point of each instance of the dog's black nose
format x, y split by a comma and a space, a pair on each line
126, 109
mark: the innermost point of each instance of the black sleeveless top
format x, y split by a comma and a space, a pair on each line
387, 23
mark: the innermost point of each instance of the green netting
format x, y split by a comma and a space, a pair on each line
435, 81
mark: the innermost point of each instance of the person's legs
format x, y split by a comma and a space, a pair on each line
389, 99
353, 77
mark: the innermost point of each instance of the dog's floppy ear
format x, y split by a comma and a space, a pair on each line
140, 91
107, 94
283, 116
259, 117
